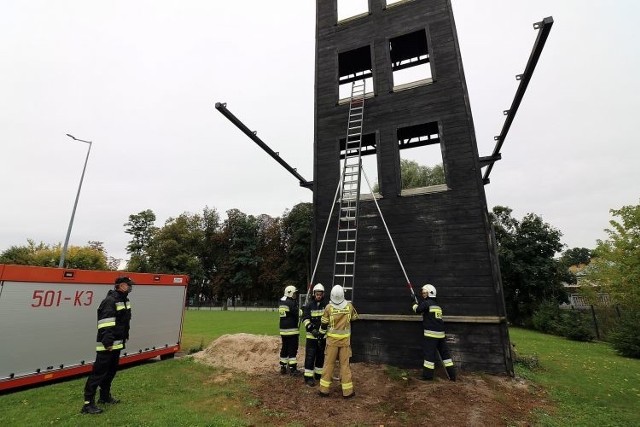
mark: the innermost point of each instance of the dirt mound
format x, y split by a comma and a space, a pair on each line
244, 352
384, 396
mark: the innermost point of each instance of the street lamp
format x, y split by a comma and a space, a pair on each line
73, 213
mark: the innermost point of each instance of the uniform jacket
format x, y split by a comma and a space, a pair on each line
311, 315
431, 318
336, 323
289, 315
114, 317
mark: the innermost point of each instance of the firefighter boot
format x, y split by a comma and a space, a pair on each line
451, 373
108, 399
283, 368
90, 408
310, 381
427, 374
293, 370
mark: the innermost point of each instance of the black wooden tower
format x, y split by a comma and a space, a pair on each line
408, 54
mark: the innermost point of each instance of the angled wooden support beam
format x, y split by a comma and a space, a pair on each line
544, 28
222, 107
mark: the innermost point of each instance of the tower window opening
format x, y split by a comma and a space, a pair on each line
354, 65
369, 159
410, 63
421, 160
350, 9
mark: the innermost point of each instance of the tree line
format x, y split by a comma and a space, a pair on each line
254, 257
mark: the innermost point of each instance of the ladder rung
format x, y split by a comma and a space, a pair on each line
349, 208
347, 230
344, 275
346, 240
346, 252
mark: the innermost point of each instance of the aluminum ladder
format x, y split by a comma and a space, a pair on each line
347, 235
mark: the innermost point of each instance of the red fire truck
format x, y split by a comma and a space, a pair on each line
48, 320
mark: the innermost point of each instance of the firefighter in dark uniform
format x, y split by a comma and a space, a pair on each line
114, 316
314, 348
434, 336
289, 330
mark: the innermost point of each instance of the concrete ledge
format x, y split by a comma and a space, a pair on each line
448, 319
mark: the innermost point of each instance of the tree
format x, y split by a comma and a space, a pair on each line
414, 175
141, 227
616, 266
270, 252
43, 255
297, 229
576, 256
530, 273
238, 269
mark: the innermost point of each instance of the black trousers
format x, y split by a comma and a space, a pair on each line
104, 370
289, 349
429, 348
314, 356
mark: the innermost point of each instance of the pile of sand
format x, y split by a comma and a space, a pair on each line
245, 352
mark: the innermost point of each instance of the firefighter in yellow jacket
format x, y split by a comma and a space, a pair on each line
336, 324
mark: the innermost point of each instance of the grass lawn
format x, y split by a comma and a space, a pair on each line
203, 326
589, 382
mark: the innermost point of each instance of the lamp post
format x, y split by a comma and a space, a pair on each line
73, 212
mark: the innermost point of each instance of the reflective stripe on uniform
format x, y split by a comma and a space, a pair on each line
429, 365
308, 372
117, 345
317, 371
293, 361
106, 322
339, 333
325, 383
310, 336
347, 386
447, 362
317, 313
123, 305
433, 334
290, 331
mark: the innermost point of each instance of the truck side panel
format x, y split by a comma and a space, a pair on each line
48, 320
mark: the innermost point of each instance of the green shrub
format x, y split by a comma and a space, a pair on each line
548, 318
576, 326
625, 338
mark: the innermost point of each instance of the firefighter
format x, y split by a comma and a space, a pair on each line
314, 348
114, 317
434, 336
336, 324
289, 330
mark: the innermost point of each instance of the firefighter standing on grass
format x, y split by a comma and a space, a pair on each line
289, 330
114, 316
336, 324
434, 336
314, 348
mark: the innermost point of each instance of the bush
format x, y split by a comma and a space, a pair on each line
572, 324
625, 338
548, 318
576, 326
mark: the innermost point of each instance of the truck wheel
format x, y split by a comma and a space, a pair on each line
167, 356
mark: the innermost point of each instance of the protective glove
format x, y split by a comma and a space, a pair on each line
309, 327
315, 333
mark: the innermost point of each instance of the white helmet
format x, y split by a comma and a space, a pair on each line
318, 288
430, 290
337, 297
289, 291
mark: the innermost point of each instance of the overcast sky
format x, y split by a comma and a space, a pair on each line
140, 79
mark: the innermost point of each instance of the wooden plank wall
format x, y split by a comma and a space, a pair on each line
443, 237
